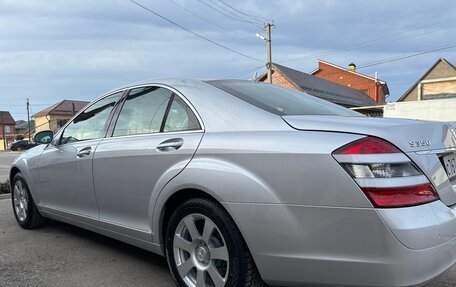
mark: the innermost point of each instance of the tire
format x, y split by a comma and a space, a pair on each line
200, 257
24, 208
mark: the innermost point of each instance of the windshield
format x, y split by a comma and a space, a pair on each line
279, 100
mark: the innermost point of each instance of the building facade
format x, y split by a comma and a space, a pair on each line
432, 97
7, 129
376, 89
438, 82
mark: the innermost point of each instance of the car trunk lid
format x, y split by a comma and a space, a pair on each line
424, 142
408, 135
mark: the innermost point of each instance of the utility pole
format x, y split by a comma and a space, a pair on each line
28, 118
3, 131
268, 47
267, 27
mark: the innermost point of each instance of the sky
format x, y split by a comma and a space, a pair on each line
53, 50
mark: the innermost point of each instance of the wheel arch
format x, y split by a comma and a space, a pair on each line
14, 170
216, 179
21, 165
173, 201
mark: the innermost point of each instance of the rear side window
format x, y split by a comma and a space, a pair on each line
180, 117
279, 100
152, 110
143, 111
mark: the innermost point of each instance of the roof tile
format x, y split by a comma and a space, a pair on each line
64, 107
7, 118
325, 89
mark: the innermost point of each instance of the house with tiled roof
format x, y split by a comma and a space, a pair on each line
55, 116
318, 87
7, 129
375, 88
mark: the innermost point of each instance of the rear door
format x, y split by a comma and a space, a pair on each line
154, 137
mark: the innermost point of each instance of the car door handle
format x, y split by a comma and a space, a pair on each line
170, 145
84, 152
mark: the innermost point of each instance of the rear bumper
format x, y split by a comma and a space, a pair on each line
296, 245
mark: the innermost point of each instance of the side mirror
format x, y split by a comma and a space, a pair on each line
43, 137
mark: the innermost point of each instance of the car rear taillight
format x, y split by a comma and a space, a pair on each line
386, 175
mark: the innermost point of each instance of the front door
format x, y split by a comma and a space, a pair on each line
155, 136
65, 167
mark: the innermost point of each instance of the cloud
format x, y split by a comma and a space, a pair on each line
54, 50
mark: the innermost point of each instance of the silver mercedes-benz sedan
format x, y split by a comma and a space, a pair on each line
240, 183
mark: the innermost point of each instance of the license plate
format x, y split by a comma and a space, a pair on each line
449, 161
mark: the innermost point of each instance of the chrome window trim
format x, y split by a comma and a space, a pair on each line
177, 93
154, 134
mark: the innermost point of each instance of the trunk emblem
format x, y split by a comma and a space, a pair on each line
421, 143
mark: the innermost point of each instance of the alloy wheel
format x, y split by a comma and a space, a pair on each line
20, 198
200, 252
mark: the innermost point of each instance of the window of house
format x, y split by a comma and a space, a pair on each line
91, 123
61, 123
7, 129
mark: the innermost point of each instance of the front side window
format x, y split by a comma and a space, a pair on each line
143, 111
7, 129
91, 123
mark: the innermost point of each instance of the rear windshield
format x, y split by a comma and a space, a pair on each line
281, 101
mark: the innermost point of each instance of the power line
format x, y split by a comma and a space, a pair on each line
205, 19
243, 73
407, 56
369, 42
390, 41
254, 17
236, 15
194, 33
384, 61
236, 18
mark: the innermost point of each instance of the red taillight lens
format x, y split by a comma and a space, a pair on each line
367, 145
386, 175
401, 196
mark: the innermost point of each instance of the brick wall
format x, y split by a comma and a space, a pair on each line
351, 80
280, 80
9, 129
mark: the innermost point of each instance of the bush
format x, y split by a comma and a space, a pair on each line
5, 187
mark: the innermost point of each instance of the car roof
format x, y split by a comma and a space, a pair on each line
218, 110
